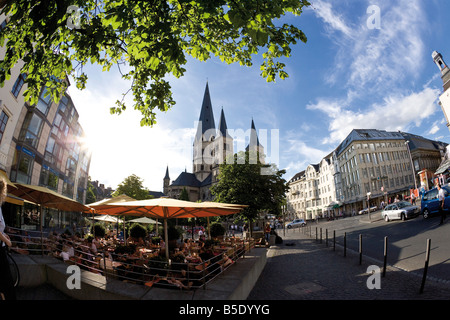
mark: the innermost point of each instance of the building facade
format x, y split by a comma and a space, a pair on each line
42, 144
368, 167
444, 99
212, 145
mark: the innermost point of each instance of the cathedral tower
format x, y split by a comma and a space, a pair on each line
203, 153
444, 99
166, 182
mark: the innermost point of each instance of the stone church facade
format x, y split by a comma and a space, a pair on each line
210, 148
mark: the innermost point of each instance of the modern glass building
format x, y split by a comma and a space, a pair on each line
41, 145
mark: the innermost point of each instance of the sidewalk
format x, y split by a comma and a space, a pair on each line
309, 270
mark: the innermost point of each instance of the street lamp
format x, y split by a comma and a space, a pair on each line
412, 164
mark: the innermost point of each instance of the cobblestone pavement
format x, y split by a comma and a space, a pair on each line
309, 270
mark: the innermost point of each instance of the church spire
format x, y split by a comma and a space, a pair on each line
167, 173
206, 123
254, 140
222, 130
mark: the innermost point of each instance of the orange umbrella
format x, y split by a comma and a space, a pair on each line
166, 208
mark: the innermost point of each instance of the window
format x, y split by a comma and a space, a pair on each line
44, 101
3, 121
71, 167
18, 84
31, 129
22, 165
53, 152
49, 178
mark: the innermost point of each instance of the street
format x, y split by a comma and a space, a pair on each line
305, 269
407, 241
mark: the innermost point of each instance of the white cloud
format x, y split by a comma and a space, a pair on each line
373, 60
434, 128
376, 69
334, 21
396, 112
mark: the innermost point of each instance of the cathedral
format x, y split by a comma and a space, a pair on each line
211, 147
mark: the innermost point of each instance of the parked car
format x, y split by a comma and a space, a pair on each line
372, 209
296, 223
430, 201
400, 210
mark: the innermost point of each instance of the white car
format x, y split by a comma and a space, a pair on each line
400, 210
372, 209
296, 223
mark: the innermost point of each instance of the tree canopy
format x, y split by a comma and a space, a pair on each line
241, 182
133, 187
146, 40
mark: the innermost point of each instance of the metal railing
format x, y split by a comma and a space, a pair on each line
183, 270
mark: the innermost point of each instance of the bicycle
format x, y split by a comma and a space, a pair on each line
13, 267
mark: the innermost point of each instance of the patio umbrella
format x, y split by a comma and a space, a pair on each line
166, 208
108, 218
144, 220
99, 206
46, 198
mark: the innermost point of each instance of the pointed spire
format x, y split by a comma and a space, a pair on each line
206, 119
222, 130
167, 173
254, 140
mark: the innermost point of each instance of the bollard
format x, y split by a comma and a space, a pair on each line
316, 234
385, 255
326, 237
425, 270
345, 244
334, 240
320, 235
360, 249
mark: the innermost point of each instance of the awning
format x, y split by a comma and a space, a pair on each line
443, 167
14, 200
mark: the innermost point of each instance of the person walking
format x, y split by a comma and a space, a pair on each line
441, 197
7, 291
267, 232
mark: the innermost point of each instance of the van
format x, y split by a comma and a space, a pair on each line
430, 202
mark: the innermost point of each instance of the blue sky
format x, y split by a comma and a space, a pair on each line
346, 76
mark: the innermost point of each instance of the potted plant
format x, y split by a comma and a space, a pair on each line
98, 230
137, 231
217, 230
173, 234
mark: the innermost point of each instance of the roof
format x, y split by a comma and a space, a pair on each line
156, 194
254, 140
223, 126
443, 167
167, 173
297, 176
367, 135
418, 142
186, 179
206, 119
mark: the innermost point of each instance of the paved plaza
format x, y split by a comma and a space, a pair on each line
302, 268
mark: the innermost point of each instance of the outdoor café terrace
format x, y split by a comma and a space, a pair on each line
151, 262
192, 264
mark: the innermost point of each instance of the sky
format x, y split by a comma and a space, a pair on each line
358, 70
